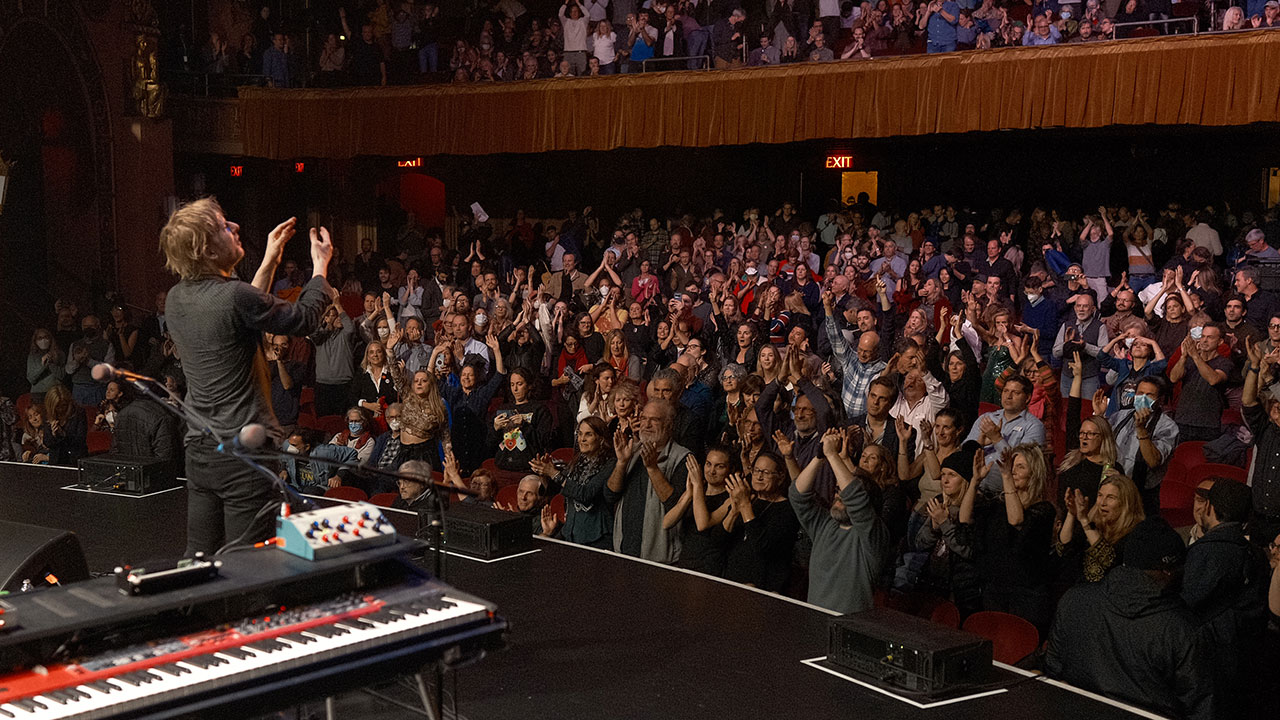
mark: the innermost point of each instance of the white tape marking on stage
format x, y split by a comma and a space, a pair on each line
694, 573
493, 560
813, 663
131, 496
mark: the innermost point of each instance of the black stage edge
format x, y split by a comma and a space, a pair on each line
592, 634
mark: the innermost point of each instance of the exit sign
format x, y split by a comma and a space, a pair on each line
839, 162
237, 171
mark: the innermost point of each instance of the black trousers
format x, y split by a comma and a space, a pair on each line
332, 399
226, 499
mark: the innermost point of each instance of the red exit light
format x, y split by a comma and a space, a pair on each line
839, 162
299, 167
237, 170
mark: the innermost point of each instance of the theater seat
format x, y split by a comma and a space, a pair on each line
23, 402
557, 506
1012, 637
1199, 472
1185, 456
99, 441
382, 499
946, 613
986, 407
565, 454
345, 492
1176, 499
506, 496
331, 425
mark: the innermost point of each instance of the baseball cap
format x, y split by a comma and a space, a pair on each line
1153, 545
1272, 4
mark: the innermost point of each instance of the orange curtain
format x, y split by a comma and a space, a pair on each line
1204, 80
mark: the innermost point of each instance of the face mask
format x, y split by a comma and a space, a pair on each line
1128, 342
1032, 298
394, 423
604, 291
481, 319
1197, 333
355, 427
384, 333
1143, 402
447, 302
43, 343
293, 450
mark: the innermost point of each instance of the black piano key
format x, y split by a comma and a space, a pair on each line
357, 623
269, 645
203, 662
328, 631
131, 678
238, 653
171, 669
29, 705
102, 686
299, 638
381, 617
57, 696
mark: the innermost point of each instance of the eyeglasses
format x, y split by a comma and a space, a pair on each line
1089, 434
767, 473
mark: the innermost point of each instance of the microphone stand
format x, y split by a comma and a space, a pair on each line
188, 415
437, 540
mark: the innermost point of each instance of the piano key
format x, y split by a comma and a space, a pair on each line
171, 669
206, 673
267, 646
29, 705
239, 653
102, 686
6, 713
204, 661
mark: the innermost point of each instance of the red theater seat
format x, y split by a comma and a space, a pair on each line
1012, 637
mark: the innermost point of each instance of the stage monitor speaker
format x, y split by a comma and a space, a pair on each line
31, 552
484, 532
908, 652
125, 474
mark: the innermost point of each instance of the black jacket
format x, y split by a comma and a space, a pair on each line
144, 429
1134, 641
1225, 585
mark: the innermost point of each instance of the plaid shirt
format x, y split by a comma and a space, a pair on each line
857, 374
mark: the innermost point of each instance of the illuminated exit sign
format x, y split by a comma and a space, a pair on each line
412, 163
839, 162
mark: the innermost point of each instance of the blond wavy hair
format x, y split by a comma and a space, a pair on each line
185, 239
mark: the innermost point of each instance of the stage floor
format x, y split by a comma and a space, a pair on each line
593, 634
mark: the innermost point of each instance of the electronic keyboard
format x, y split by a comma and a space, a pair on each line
364, 617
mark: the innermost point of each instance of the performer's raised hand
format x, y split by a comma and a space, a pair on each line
321, 251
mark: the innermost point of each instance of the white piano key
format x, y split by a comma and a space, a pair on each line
129, 696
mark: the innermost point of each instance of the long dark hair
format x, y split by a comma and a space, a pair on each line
600, 428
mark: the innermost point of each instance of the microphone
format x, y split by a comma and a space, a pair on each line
102, 372
250, 438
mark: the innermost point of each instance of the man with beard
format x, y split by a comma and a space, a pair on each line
849, 540
647, 481
1145, 438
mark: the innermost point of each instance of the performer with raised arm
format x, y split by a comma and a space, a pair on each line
216, 323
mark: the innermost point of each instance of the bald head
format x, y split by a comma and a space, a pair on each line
868, 345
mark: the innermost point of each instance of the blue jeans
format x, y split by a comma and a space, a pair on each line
609, 68
429, 58
1138, 282
938, 47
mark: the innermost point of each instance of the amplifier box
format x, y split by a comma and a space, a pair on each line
484, 532
1268, 274
126, 474
908, 652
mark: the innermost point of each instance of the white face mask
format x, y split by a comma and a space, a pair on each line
293, 450
394, 423
44, 343
384, 333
